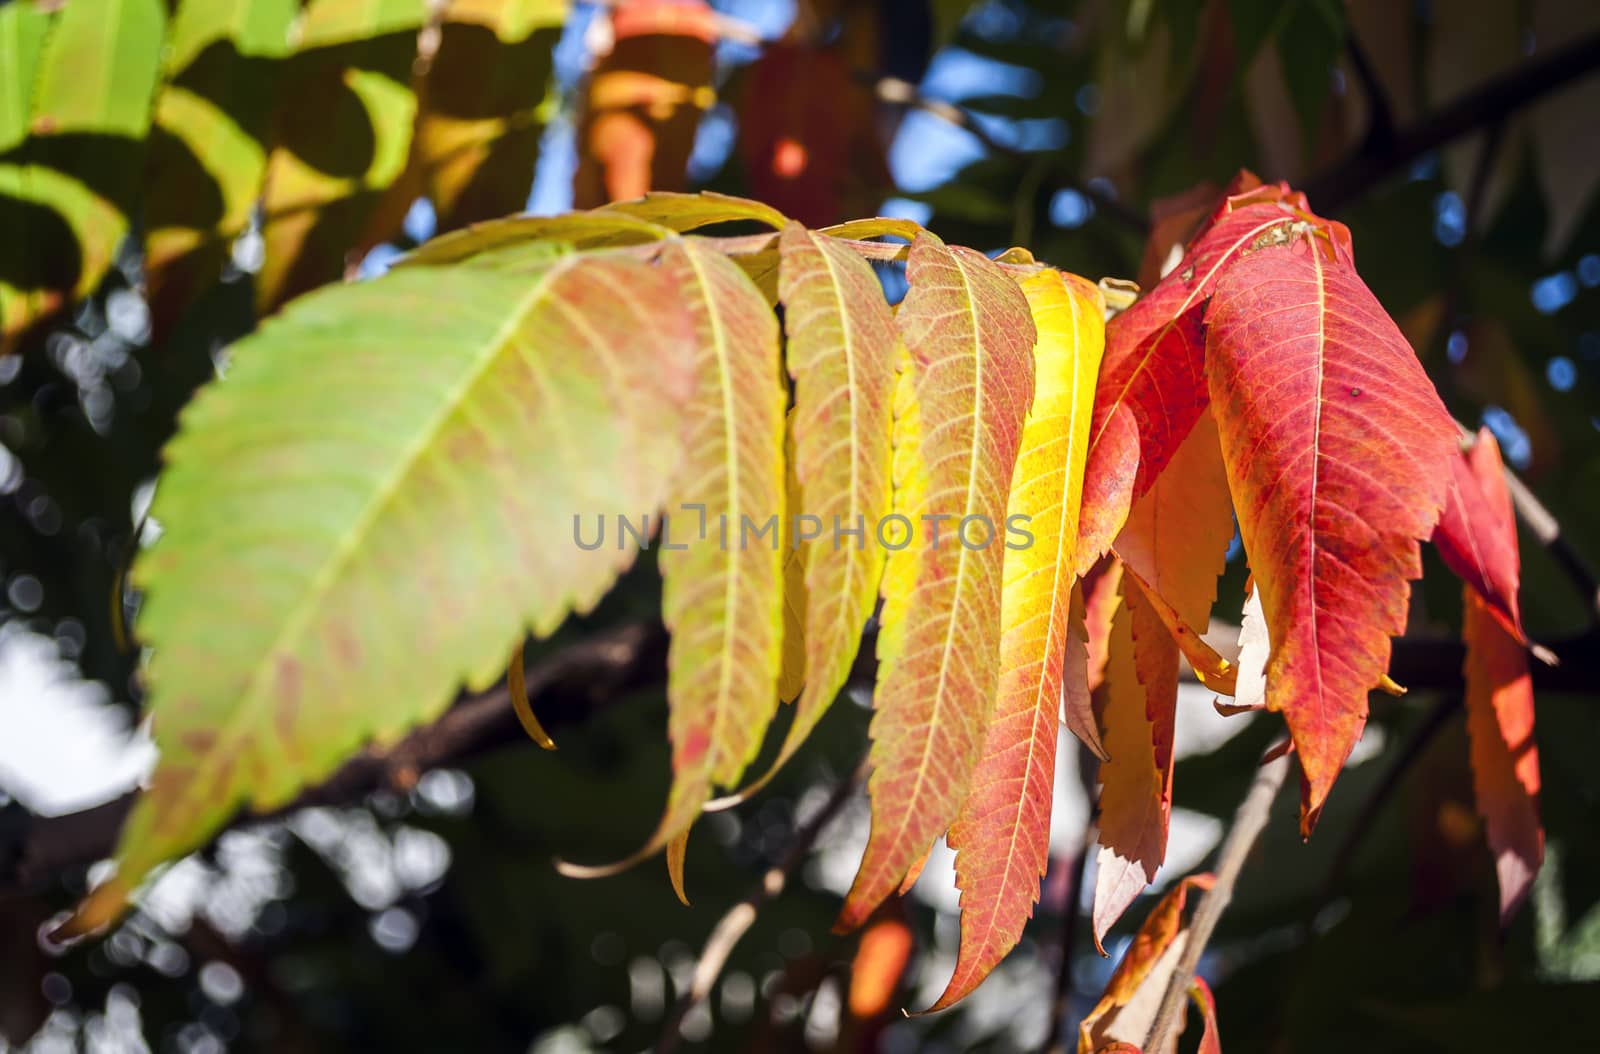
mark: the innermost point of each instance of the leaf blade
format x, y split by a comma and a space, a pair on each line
1336, 447
1002, 835
274, 488
971, 336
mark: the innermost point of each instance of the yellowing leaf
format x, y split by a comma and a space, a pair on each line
723, 599
842, 353
971, 337
331, 477
1002, 834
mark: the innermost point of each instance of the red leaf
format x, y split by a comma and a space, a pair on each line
1337, 450
1152, 380
1475, 536
809, 137
1505, 758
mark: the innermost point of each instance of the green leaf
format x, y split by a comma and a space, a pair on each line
481, 109
375, 504
69, 184
344, 134
208, 152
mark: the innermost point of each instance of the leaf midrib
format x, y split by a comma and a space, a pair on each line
329, 573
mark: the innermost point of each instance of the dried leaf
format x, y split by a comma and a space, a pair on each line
1138, 714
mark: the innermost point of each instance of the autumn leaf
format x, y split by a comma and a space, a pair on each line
1337, 450
354, 436
1176, 537
842, 353
1471, 536
1152, 383
1505, 757
643, 101
970, 334
723, 591
1138, 715
1132, 996
1002, 834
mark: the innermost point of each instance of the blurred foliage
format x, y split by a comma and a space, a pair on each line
341, 929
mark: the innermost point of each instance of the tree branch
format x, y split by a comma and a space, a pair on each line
898, 92
1373, 161
731, 928
569, 684
1248, 823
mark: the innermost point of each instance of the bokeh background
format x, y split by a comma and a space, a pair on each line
1457, 139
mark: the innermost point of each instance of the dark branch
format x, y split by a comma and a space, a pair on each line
733, 925
567, 685
1373, 161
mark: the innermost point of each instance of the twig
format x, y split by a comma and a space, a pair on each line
576, 678
1547, 530
731, 928
1068, 940
1371, 162
899, 92
1380, 132
1248, 823
1448, 705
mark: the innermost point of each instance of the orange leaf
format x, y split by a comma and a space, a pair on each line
1337, 450
1474, 537
1176, 538
970, 335
1505, 758
643, 101
1211, 1039
1141, 695
1134, 992
1102, 597
880, 962
1002, 835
